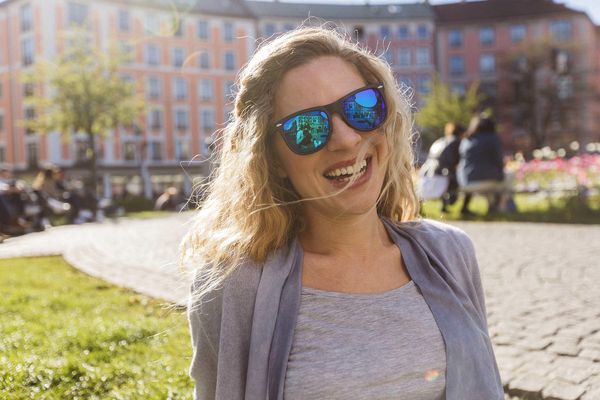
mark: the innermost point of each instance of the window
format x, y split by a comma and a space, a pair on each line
77, 14
403, 32
385, 32
269, 30
358, 33
455, 38
152, 24
562, 30
228, 31
204, 60
229, 91
27, 51
156, 120
517, 33
387, 55
178, 57
2, 154
206, 89
182, 149
487, 36
490, 90
181, 119
457, 65
124, 20
32, 155
229, 61
424, 84
207, 120
129, 151
180, 88
1, 122
28, 89
202, 29
422, 31
178, 26
487, 63
459, 89
29, 116
153, 87
0, 90
155, 149
127, 51
422, 56
152, 54
227, 115
26, 18
406, 81
404, 57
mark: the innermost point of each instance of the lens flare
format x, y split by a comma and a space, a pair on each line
432, 374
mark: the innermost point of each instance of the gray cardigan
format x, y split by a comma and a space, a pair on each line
242, 333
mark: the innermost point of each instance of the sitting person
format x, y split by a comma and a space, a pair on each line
481, 165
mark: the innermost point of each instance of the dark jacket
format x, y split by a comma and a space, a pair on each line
449, 157
242, 334
480, 159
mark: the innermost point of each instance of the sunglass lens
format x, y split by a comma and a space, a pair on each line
365, 110
307, 132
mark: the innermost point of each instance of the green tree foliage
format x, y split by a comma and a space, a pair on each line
86, 93
443, 106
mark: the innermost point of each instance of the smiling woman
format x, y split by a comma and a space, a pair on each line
314, 276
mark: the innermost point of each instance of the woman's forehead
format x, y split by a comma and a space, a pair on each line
318, 82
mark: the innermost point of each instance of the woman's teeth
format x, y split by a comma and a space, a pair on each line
347, 172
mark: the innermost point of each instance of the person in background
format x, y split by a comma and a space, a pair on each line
315, 277
168, 200
481, 165
445, 152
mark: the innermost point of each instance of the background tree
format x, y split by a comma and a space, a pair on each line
85, 93
442, 105
547, 92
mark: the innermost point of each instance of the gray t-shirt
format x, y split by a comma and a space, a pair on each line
366, 346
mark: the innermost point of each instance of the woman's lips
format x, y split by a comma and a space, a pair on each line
340, 183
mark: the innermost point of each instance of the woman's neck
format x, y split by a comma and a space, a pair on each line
344, 236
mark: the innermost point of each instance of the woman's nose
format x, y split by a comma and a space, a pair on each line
342, 136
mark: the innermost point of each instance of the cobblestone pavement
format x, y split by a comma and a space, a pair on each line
541, 283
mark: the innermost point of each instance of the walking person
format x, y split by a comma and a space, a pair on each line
315, 279
481, 165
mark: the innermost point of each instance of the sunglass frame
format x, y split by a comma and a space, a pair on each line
329, 109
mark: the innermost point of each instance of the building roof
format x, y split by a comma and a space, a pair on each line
276, 9
485, 10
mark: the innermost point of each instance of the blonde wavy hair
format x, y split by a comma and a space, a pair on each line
250, 211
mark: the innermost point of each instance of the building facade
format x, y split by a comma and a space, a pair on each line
522, 53
184, 61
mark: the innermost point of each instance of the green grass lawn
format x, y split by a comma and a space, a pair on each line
531, 208
65, 335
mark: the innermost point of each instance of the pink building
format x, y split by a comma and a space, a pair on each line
402, 34
184, 63
475, 41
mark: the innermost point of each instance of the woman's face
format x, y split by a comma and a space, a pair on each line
321, 82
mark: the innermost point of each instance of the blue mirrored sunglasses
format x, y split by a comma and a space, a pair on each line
308, 131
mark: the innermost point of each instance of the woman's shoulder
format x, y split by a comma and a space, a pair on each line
433, 230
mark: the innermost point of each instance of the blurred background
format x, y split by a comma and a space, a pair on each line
111, 112
534, 64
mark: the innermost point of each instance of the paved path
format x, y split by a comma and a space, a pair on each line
542, 285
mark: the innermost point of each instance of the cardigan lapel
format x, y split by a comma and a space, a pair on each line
266, 309
469, 361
